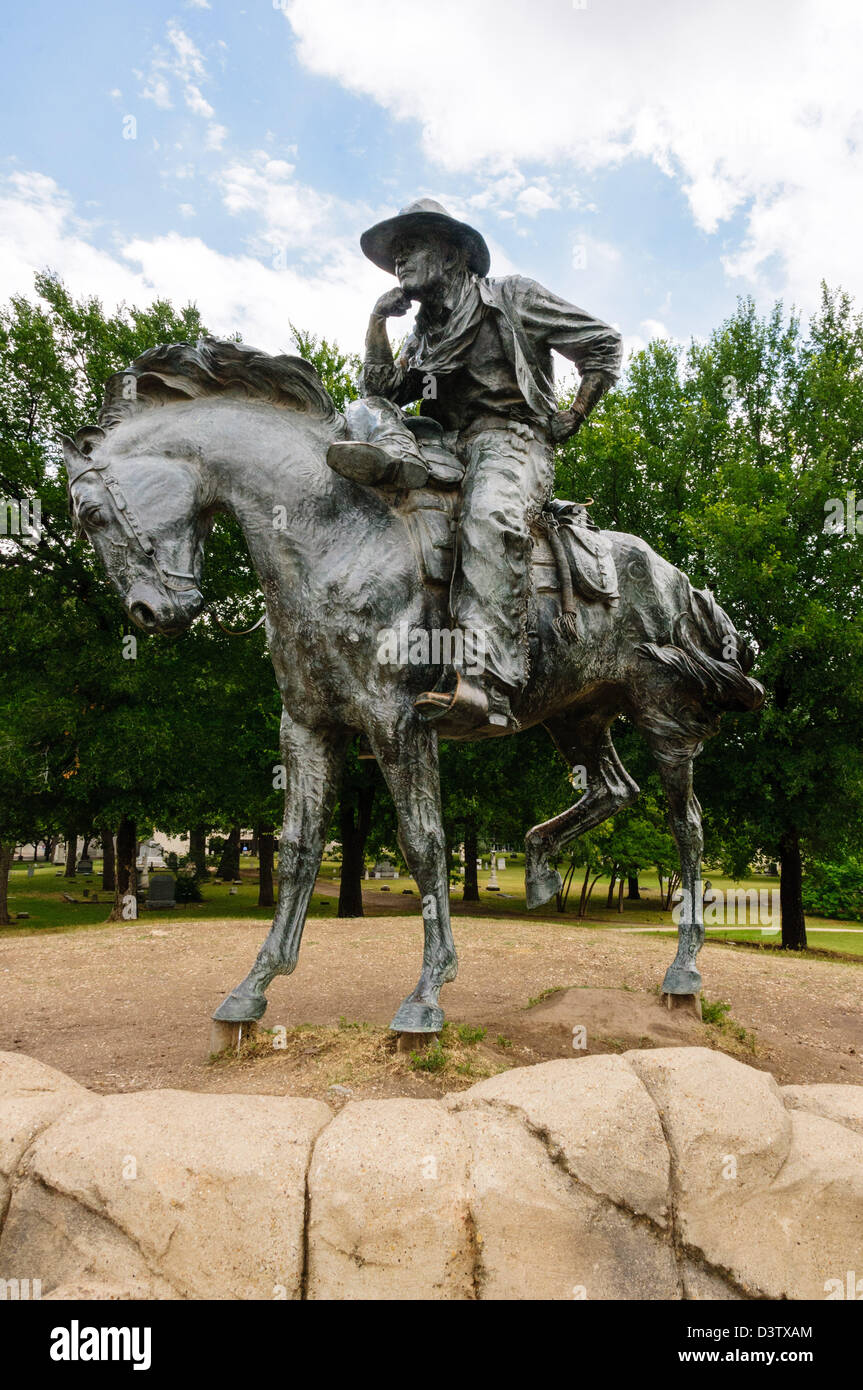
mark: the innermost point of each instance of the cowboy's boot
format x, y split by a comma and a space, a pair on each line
374, 466
467, 707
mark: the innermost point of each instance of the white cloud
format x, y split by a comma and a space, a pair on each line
329, 292
216, 136
749, 107
186, 210
189, 61
183, 62
196, 102
156, 89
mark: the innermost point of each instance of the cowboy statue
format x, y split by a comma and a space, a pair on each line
479, 360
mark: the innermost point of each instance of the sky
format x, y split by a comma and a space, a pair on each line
650, 162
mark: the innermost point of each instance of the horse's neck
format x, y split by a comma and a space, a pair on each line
267, 467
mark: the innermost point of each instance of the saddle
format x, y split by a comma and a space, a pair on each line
572, 559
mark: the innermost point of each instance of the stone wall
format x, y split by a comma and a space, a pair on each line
673, 1173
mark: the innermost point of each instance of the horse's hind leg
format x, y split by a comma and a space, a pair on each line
682, 976
408, 759
313, 759
585, 742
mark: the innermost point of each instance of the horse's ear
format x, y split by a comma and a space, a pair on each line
71, 453
76, 462
88, 437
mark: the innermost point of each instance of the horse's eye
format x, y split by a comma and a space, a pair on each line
92, 516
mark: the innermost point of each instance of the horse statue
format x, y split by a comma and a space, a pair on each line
189, 430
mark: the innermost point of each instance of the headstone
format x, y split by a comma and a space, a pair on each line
161, 891
501, 863
384, 869
31, 869
59, 856
154, 855
85, 865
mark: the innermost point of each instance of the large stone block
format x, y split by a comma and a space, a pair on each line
844, 1104
389, 1208
184, 1195
773, 1197
31, 1096
600, 1122
539, 1234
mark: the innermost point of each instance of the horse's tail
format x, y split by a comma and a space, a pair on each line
709, 652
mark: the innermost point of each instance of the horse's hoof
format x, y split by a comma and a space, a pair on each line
413, 1017
541, 888
681, 980
241, 1008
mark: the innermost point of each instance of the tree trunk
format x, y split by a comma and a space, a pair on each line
109, 877
355, 821
198, 850
71, 850
5, 866
609, 902
471, 854
791, 892
620, 895
266, 851
125, 873
632, 886
229, 864
582, 902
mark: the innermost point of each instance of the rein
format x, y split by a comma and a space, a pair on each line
173, 581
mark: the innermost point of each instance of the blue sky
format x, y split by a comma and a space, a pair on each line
648, 162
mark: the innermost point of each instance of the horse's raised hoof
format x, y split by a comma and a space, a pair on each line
681, 980
413, 1017
541, 888
239, 1007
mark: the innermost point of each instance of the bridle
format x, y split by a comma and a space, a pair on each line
79, 462
172, 581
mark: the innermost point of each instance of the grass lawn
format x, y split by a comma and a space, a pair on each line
41, 897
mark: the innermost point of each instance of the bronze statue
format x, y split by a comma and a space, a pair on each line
479, 359
589, 623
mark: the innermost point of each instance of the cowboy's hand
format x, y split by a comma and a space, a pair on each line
391, 305
565, 424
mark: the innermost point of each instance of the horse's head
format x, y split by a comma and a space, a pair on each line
142, 513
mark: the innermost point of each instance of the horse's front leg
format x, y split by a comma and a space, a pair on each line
408, 758
313, 759
683, 976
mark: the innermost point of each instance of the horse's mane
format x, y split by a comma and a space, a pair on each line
176, 372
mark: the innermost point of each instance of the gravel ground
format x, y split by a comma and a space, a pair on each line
127, 1007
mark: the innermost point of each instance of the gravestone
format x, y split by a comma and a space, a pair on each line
161, 891
85, 866
153, 851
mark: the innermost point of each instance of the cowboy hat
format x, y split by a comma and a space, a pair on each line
423, 216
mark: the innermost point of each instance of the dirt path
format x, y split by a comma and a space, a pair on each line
127, 1007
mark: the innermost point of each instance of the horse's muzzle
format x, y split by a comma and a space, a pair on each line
156, 611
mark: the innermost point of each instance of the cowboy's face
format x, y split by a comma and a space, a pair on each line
424, 264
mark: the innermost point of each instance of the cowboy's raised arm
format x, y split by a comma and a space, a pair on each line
381, 375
